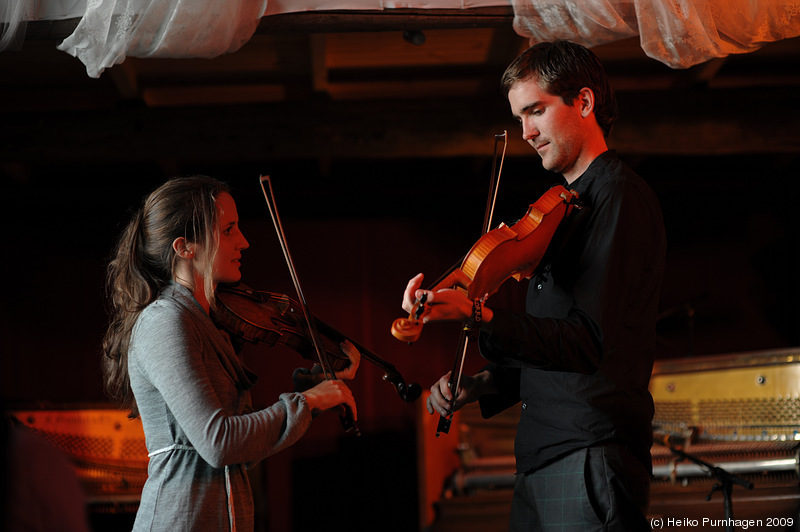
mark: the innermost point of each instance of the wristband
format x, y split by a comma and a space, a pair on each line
472, 324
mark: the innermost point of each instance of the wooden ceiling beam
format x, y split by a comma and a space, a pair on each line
668, 122
387, 20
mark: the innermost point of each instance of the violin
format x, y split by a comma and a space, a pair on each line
275, 319
500, 254
503, 253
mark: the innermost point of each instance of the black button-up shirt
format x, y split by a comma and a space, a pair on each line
581, 356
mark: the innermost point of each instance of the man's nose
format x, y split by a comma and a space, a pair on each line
529, 131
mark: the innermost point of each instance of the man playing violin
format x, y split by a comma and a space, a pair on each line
579, 359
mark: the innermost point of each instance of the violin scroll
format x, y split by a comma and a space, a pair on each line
409, 329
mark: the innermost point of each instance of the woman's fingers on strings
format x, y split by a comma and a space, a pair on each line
354, 355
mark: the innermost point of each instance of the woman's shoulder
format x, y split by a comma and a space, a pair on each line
164, 326
166, 306
171, 311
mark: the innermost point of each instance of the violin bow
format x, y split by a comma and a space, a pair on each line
494, 185
348, 423
461, 351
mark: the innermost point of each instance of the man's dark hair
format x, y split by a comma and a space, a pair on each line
564, 68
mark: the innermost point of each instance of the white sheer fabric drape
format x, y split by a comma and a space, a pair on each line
14, 15
680, 33
110, 30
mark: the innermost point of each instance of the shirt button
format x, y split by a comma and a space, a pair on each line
524, 406
539, 286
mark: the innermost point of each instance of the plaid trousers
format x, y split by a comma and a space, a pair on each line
599, 488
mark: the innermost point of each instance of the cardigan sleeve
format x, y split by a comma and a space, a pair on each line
170, 354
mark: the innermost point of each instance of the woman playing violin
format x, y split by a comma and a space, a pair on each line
166, 360
579, 359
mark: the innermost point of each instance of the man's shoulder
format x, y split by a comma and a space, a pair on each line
612, 174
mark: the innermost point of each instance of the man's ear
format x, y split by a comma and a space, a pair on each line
184, 249
586, 101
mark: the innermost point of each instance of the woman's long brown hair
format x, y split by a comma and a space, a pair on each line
143, 263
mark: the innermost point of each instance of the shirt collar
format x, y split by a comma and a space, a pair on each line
595, 168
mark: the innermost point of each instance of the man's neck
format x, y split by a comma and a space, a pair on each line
591, 151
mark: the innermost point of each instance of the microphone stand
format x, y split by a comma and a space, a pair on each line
725, 484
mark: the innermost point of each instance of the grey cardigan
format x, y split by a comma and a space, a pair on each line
192, 392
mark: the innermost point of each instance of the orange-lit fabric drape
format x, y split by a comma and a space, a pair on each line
679, 33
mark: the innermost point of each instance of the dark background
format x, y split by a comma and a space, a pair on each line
366, 205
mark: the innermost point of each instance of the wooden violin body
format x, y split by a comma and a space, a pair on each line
275, 319
501, 254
